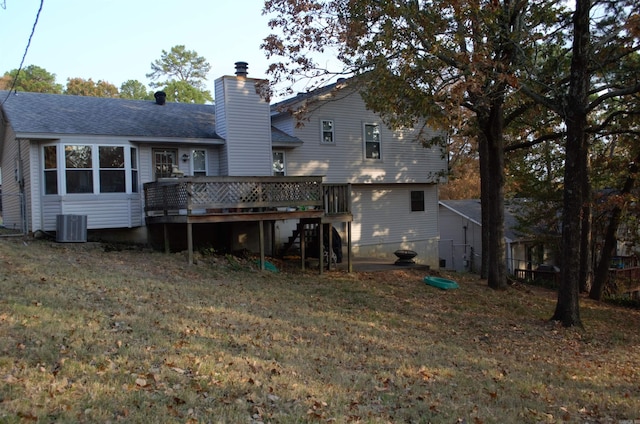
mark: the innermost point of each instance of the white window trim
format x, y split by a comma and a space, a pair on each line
333, 132
95, 168
364, 141
284, 162
192, 167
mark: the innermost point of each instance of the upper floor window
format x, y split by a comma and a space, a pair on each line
199, 163
327, 131
372, 141
278, 164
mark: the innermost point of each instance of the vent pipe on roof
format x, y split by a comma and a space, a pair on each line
241, 69
161, 97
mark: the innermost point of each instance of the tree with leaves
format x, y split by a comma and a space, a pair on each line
32, 79
426, 61
605, 36
82, 87
181, 73
134, 90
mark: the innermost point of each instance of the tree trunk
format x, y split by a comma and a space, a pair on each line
492, 158
586, 260
567, 307
485, 178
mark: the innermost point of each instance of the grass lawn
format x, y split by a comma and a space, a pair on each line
90, 335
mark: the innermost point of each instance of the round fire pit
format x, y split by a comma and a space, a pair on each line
405, 257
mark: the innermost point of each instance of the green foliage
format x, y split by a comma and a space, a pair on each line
183, 92
32, 79
135, 90
183, 72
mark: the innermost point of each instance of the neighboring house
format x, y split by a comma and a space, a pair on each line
461, 238
146, 172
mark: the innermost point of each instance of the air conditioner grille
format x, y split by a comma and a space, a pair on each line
71, 228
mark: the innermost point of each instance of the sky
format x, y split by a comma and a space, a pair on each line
117, 40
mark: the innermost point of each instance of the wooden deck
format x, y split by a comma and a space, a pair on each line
199, 200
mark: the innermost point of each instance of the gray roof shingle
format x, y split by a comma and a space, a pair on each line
63, 114
38, 113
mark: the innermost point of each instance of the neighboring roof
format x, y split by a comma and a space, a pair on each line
335, 88
283, 140
470, 209
57, 114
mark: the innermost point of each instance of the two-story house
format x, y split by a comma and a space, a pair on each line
232, 173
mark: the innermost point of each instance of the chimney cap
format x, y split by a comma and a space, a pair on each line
241, 69
161, 97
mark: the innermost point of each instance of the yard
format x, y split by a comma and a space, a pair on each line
94, 333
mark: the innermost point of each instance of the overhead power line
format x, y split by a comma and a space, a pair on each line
33, 30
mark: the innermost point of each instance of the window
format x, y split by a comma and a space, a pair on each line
112, 171
50, 170
163, 162
327, 131
417, 201
278, 164
199, 163
372, 141
78, 169
134, 170
90, 169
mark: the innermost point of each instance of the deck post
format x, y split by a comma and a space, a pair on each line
261, 228
190, 242
330, 254
165, 234
321, 247
349, 264
302, 243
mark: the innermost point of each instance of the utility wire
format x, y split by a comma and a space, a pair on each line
33, 30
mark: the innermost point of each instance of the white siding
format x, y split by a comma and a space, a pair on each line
15, 154
459, 237
243, 119
103, 211
283, 123
404, 160
383, 221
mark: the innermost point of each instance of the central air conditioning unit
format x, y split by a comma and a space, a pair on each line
71, 228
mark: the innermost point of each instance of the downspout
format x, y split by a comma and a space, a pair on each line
19, 177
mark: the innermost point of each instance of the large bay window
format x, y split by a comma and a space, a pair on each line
89, 169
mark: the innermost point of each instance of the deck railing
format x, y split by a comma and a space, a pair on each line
624, 280
207, 195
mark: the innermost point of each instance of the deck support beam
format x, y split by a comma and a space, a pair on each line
190, 242
261, 236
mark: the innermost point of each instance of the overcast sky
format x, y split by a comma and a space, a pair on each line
116, 40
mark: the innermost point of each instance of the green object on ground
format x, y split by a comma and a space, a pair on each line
441, 283
267, 266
